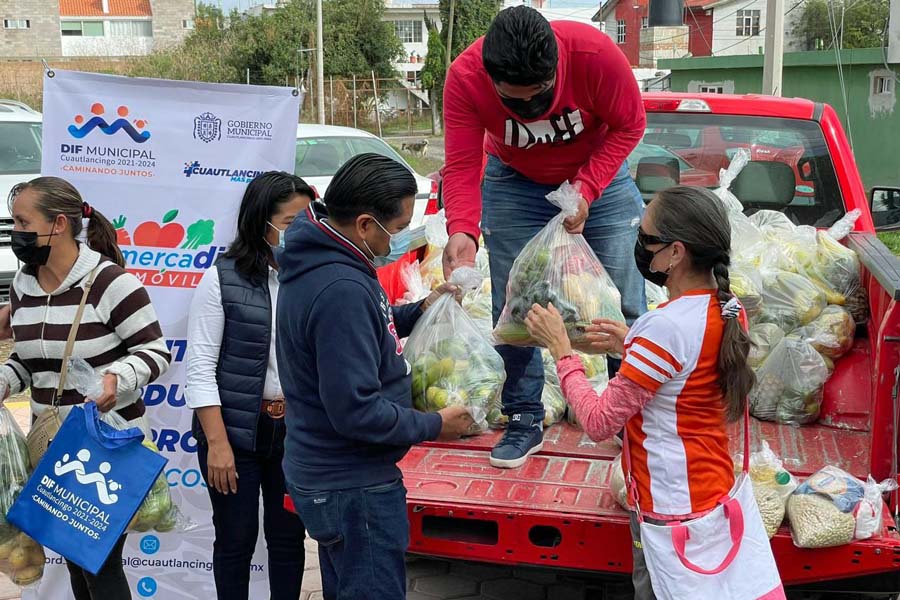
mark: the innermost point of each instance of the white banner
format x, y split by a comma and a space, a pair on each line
168, 163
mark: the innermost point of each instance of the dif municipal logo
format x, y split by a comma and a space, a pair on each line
134, 128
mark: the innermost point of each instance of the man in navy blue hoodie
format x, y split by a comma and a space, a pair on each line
347, 385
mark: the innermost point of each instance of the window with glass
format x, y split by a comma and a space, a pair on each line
712, 89
187, 24
620, 31
747, 23
20, 148
409, 32
81, 28
645, 22
696, 146
323, 156
130, 29
16, 23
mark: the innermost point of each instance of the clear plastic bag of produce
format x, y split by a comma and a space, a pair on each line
870, 512
416, 290
158, 512
774, 225
21, 558
727, 177
746, 284
617, 483
595, 369
836, 264
559, 268
453, 364
844, 225
789, 300
789, 384
772, 485
656, 295
432, 267
831, 333
833, 508
763, 338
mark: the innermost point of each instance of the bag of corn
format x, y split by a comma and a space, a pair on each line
772, 485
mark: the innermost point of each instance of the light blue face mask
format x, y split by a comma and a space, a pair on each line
399, 246
280, 234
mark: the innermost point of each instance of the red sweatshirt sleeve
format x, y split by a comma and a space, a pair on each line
601, 415
618, 103
464, 143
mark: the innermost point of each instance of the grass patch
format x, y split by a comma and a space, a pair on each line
423, 165
891, 239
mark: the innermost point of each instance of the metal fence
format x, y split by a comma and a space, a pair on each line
386, 107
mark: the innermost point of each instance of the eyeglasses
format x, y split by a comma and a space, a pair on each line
645, 239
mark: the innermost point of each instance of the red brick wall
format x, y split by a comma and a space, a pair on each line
701, 26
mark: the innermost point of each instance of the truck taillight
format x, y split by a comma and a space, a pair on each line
432, 207
686, 105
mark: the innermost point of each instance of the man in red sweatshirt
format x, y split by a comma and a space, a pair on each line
549, 103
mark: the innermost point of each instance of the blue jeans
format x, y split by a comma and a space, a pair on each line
514, 211
236, 520
363, 534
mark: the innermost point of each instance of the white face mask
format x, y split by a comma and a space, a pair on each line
280, 234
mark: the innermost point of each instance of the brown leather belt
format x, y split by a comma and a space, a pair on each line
274, 408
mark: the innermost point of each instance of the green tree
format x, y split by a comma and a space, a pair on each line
471, 19
857, 23
357, 41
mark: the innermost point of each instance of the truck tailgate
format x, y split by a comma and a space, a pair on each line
558, 509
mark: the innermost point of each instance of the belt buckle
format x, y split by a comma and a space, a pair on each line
275, 408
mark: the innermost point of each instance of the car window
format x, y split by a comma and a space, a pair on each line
323, 156
20, 148
805, 188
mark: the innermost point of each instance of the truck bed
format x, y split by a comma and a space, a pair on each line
558, 509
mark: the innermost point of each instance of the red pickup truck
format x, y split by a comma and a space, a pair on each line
558, 510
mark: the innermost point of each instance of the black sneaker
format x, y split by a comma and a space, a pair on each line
523, 437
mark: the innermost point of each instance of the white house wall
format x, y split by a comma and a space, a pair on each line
725, 40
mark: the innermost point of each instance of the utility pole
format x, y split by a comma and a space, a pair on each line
450, 35
774, 52
320, 64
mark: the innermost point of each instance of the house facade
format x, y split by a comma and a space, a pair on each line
409, 21
714, 28
87, 28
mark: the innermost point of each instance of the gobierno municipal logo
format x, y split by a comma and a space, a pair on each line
135, 128
208, 128
235, 175
166, 253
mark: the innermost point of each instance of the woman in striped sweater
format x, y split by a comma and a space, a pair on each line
119, 334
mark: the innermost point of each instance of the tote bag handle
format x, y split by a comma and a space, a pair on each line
735, 516
106, 435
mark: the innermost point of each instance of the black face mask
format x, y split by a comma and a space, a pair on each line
24, 246
532, 108
643, 258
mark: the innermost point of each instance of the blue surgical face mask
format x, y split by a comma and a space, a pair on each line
399, 246
280, 234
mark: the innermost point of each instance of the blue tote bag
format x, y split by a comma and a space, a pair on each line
86, 488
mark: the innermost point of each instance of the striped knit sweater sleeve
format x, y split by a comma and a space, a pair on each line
119, 332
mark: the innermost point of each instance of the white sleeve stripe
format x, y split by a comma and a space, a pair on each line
645, 369
654, 358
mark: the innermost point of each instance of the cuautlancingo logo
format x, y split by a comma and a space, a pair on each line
194, 168
136, 128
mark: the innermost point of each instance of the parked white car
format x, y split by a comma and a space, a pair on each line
322, 149
20, 160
